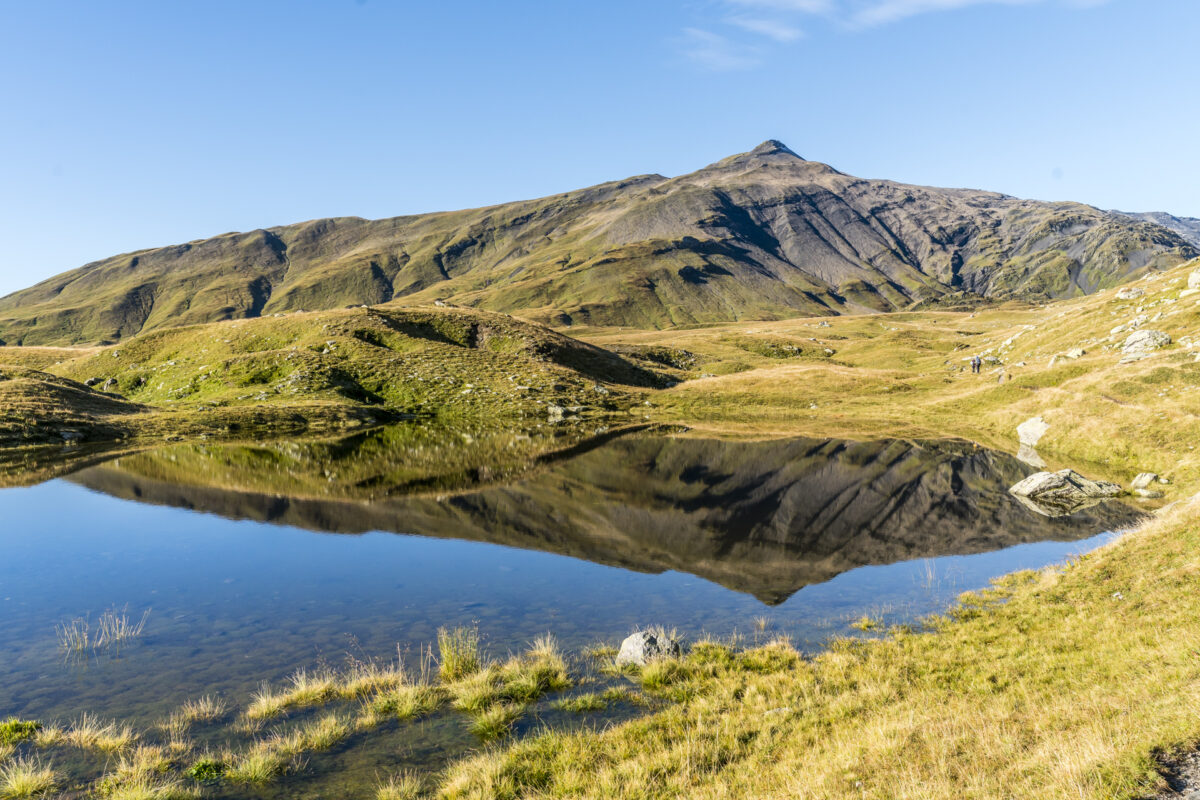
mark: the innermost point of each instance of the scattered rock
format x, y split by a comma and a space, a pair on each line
1031, 431
1194, 279
1143, 480
643, 647
1130, 293
71, 437
91, 381
1140, 344
1075, 352
1064, 492
1188, 293
1148, 493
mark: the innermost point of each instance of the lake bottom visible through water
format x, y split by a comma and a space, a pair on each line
233, 602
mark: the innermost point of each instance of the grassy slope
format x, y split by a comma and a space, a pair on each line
1052, 685
314, 370
905, 374
1065, 683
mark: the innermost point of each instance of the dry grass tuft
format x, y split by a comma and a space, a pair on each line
26, 777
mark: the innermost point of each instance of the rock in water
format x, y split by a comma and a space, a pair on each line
1031, 431
1064, 492
642, 647
1143, 480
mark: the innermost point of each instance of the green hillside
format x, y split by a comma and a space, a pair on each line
761, 235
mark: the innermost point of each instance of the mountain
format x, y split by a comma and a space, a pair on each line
767, 518
1187, 227
760, 235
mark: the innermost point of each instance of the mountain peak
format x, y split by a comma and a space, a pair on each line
773, 147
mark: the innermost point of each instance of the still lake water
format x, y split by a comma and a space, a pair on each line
256, 560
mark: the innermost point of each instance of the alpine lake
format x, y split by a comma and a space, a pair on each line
224, 567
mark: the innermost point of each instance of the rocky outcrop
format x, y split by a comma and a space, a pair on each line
1140, 344
1063, 492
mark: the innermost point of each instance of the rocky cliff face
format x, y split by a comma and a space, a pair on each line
761, 517
760, 235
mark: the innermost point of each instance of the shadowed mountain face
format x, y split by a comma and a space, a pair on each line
1187, 227
765, 518
761, 235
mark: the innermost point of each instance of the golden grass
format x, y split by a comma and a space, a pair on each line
1051, 684
202, 709
90, 733
142, 775
307, 689
459, 653
405, 786
899, 375
260, 764
26, 777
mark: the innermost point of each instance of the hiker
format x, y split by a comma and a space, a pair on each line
976, 364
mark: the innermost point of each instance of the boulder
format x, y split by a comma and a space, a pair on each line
1130, 293
1140, 343
1031, 431
1194, 279
1064, 492
645, 646
1152, 494
1143, 480
1075, 352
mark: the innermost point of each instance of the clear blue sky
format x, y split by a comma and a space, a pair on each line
129, 125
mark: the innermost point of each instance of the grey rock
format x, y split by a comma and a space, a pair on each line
70, 437
1130, 293
1194, 279
1075, 352
644, 646
1141, 342
1143, 480
1031, 431
1149, 493
1063, 492
91, 381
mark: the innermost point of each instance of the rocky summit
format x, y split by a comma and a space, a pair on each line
760, 235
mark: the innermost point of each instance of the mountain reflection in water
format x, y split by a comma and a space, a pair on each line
766, 518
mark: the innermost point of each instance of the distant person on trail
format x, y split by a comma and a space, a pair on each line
976, 364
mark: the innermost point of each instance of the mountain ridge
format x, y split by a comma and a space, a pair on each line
764, 234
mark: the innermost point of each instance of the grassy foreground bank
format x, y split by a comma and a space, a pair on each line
1062, 683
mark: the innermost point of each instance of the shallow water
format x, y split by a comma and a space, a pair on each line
231, 551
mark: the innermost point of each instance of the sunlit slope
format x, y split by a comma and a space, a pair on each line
450, 364
907, 374
761, 235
